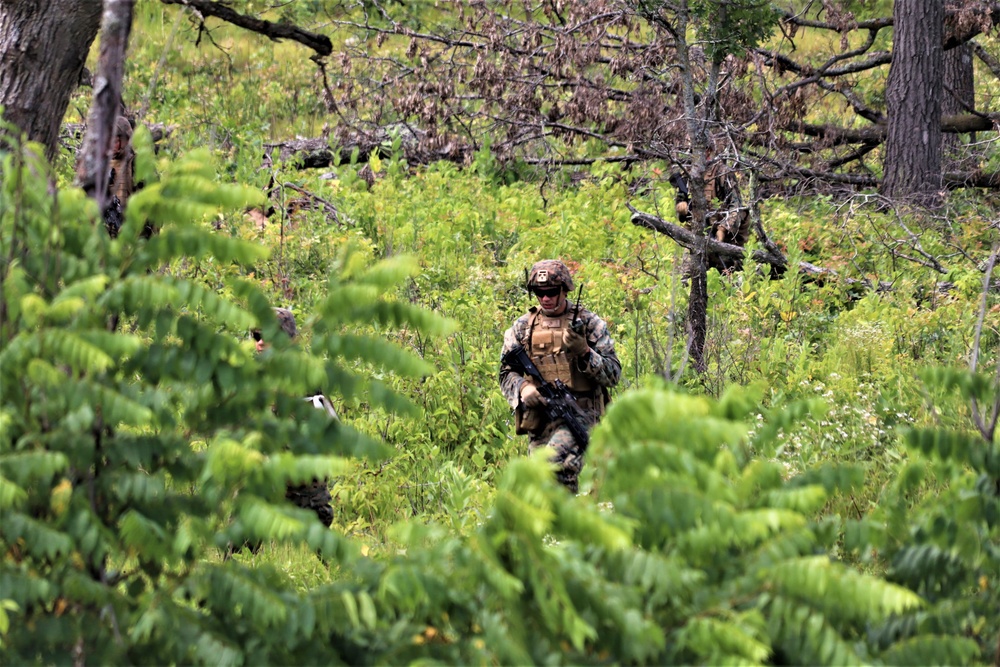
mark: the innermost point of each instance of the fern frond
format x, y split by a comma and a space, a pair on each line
12, 496
932, 650
969, 384
365, 348
136, 293
589, 527
24, 587
523, 516
87, 289
386, 397
67, 347
294, 371
267, 521
840, 591
982, 456
651, 415
329, 544
834, 477
228, 462
117, 345
303, 469
929, 567
145, 163
804, 499
804, 637
364, 303
116, 407
139, 487
249, 590
758, 476
216, 308
211, 650
388, 273
488, 565
191, 242
721, 641
44, 374
662, 579
40, 539
29, 467
82, 587
144, 536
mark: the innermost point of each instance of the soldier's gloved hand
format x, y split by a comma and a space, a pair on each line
574, 342
530, 397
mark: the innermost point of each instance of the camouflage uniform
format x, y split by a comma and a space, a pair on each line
589, 376
120, 177
315, 495
728, 223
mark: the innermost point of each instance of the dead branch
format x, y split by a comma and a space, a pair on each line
703, 244
987, 58
321, 44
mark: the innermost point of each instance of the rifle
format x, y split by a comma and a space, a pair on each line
560, 403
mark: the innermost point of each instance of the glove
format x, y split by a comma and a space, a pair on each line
530, 397
575, 343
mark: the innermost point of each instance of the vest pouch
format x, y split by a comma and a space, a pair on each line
554, 367
526, 420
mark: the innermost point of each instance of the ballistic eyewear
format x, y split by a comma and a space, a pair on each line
546, 291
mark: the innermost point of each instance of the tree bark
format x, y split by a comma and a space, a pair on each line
959, 95
913, 95
43, 49
116, 24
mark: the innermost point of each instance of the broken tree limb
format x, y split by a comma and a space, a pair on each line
416, 146
771, 255
705, 244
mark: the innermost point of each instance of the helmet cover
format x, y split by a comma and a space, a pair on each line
550, 273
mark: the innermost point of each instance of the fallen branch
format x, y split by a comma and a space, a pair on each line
416, 147
771, 256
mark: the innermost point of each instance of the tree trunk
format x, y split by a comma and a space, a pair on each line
43, 48
913, 95
959, 97
92, 170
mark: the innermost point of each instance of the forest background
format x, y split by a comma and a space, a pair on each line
821, 489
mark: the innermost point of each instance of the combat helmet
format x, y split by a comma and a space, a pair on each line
287, 321
550, 273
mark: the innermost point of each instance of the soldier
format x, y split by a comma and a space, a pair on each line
581, 355
728, 223
120, 179
315, 495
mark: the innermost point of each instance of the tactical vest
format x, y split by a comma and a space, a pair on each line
545, 336
121, 185
544, 346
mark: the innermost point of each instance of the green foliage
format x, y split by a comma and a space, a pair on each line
827, 508
140, 436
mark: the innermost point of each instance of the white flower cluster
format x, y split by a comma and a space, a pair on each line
858, 427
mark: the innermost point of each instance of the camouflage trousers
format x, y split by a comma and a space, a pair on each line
568, 458
315, 497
